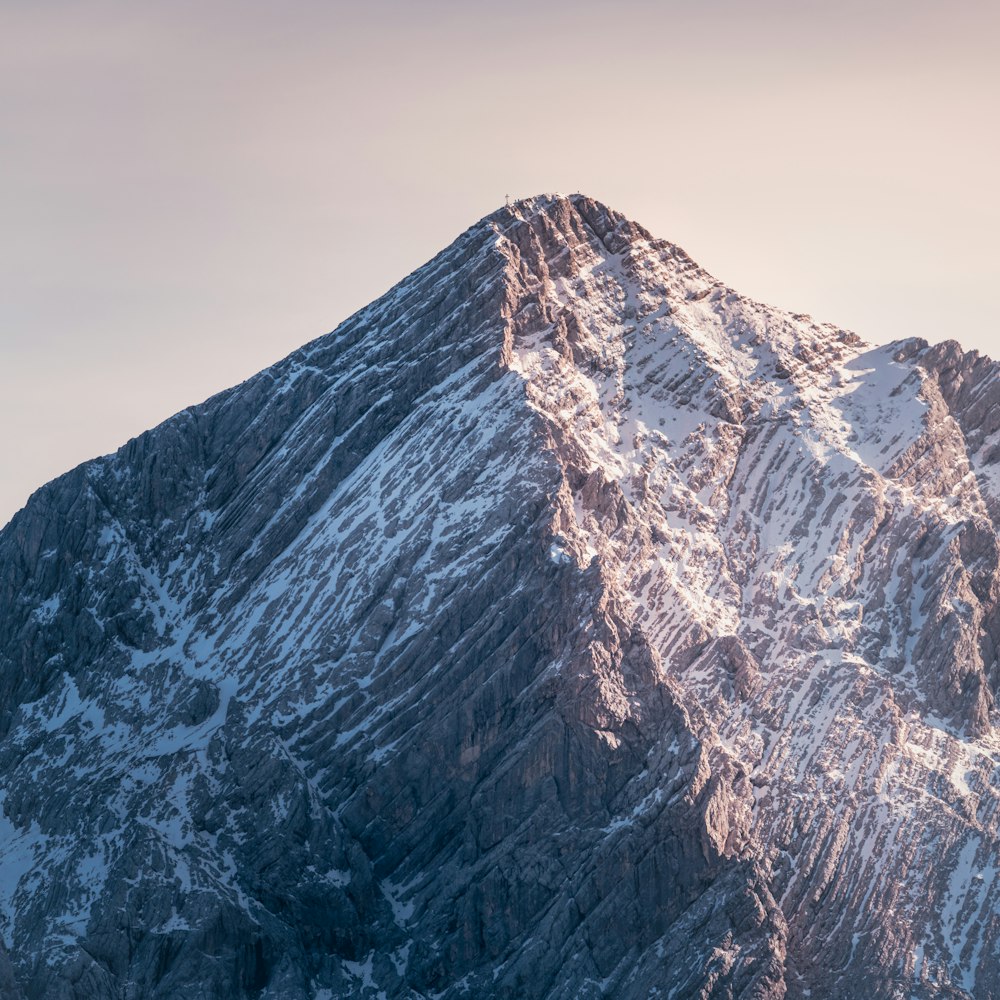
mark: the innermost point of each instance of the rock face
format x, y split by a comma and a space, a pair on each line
562, 625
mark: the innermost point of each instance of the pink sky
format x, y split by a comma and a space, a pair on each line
191, 191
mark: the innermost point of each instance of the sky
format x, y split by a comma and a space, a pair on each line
189, 191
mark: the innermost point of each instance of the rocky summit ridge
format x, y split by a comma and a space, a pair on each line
562, 625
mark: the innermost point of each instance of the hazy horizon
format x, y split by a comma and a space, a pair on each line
191, 194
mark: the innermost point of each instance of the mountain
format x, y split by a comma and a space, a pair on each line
563, 625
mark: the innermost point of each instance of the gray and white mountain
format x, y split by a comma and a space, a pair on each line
563, 625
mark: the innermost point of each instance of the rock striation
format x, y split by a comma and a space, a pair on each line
563, 625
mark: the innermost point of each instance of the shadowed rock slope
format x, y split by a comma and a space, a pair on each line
562, 625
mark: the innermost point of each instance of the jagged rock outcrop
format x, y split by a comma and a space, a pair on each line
562, 625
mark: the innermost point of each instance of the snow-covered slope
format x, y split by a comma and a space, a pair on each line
562, 625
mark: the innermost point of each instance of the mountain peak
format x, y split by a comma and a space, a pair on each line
571, 215
579, 219
563, 624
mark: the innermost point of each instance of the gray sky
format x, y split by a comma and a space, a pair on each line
189, 191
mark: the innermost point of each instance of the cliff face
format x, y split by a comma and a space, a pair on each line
562, 625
